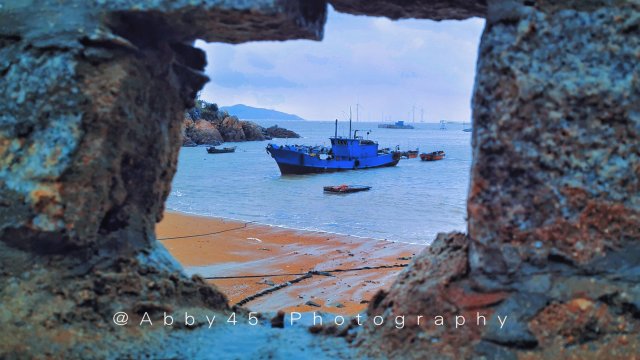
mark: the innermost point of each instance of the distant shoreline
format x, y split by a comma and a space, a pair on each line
245, 112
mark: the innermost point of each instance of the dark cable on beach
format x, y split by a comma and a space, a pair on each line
296, 280
272, 289
312, 272
213, 233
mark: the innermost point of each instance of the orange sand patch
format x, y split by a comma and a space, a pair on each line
225, 248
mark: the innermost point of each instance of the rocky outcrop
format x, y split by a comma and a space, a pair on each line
253, 131
554, 202
278, 132
202, 132
231, 129
92, 98
205, 124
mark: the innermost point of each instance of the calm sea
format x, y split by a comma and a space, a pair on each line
410, 203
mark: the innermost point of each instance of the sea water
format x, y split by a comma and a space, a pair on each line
410, 202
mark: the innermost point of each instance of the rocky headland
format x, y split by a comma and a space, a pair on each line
206, 124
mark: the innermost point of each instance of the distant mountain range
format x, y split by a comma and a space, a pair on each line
245, 112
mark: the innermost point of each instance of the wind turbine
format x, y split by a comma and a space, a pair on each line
413, 116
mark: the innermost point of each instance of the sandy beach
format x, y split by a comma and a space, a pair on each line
244, 259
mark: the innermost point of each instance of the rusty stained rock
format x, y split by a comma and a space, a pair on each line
126, 22
557, 139
554, 203
399, 9
548, 312
92, 99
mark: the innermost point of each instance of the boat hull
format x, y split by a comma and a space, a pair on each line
345, 189
434, 156
295, 163
213, 150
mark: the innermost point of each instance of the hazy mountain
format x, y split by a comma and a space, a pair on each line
245, 112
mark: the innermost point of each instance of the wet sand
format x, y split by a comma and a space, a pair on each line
257, 257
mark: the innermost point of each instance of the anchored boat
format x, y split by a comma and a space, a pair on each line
433, 156
214, 150
397, 125
352, 153
411, 154
345, 189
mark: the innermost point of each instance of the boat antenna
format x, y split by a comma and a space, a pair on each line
336, 136
349, 121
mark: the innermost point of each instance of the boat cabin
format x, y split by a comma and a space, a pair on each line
344, 148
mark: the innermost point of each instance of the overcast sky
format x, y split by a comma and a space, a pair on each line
387, 67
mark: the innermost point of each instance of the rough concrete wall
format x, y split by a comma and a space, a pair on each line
92, 99
554, 202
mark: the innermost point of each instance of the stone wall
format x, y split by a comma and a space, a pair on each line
402, 9
92, 97
554, 199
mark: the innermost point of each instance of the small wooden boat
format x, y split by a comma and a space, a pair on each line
214, 150
433, 156
345, 189
412, 154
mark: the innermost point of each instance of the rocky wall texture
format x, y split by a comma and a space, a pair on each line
92, 99
554, 201
399, 9
91, 103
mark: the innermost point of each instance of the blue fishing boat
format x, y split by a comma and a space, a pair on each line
351, 153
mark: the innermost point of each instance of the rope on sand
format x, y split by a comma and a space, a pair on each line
303, 276
312, 272
213, 233
272, 289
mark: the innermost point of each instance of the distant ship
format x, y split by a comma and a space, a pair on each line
214, 150
397, 125
351, 153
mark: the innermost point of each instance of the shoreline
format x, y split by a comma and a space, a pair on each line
285, 227
248, 258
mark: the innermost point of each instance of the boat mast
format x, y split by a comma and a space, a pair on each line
336, 135
349, 122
